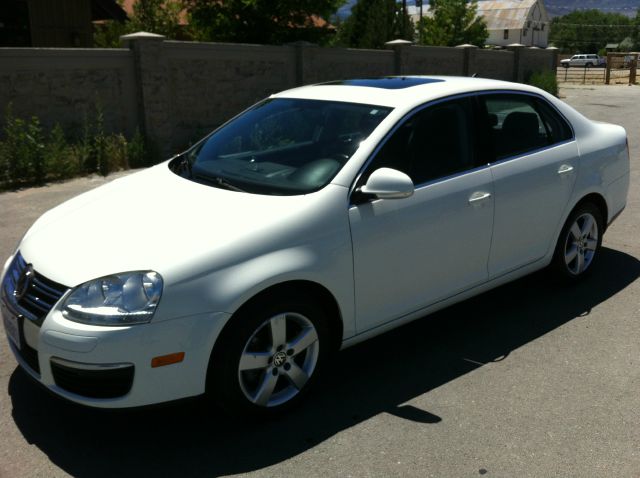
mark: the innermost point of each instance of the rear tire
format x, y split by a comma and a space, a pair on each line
579, 243
269, 356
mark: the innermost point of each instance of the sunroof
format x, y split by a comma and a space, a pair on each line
388, 83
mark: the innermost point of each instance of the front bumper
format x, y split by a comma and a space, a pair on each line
110, 367
89, 364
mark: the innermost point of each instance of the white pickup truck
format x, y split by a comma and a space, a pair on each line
584, 60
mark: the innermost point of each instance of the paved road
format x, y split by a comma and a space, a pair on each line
531, 379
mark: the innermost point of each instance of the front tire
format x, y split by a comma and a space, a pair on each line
579, 243
269, 356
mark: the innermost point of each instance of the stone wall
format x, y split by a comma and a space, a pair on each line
66, 85
497, 64
175, 92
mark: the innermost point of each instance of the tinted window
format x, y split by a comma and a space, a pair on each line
282, 146
557, 127
434, 143
514, 125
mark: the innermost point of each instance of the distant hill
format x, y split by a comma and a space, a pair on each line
554, 7
562, 7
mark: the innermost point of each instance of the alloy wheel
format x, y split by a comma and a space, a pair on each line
278, 359
581, 244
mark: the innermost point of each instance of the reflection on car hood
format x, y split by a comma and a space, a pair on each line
151, 220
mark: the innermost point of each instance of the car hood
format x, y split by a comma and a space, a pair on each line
157, 220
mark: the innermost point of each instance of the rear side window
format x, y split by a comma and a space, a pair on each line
519, 124
557, 127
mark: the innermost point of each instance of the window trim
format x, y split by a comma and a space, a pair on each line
473, 94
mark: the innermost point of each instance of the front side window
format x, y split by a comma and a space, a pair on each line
518, 124
433, 143
282, 146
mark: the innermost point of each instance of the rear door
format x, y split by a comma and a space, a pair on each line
534, 170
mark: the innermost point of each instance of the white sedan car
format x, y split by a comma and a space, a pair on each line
320, 217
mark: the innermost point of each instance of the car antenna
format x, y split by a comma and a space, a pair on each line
474, 75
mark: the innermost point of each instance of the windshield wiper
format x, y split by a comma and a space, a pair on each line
220, 182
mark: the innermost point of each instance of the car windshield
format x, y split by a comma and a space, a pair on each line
281, 146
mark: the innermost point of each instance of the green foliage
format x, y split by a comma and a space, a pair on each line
30, 156
627, 44
107, 34
545, 80
23, 150
451, 23
137, 152
259, 21
155, 16
373, 23
588, 31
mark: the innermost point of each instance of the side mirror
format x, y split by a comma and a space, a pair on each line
387, 183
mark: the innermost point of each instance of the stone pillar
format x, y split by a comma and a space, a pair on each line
401, 50
300, 59
516, 48
153, 100
466, 61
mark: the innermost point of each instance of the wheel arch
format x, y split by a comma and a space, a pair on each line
306, 288
593, 197
597, 200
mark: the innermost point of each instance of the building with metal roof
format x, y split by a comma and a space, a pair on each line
510, 21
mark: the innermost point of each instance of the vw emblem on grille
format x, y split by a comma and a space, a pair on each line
24, 282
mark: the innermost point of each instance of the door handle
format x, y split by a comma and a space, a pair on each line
478, 196
564, 169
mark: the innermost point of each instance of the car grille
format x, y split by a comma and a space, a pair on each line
39, 298
108, 383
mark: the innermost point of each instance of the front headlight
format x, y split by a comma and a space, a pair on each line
119, 299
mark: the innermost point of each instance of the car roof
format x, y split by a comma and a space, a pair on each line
398, 91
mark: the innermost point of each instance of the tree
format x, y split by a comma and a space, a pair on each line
157, 16
261, 21
451, 23
373, 23
154, 16
588, 31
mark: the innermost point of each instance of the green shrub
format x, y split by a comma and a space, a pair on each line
137, 151
31, 156
545, 80
116, 153
23, 149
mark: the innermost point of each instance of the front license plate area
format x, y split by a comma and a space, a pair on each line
11, 325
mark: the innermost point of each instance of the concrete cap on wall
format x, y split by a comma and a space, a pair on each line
398, 42
142, 36
466, 45
128, 40
516, 45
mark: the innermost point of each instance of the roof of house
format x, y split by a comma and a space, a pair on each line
505, 14
107, 10
498, 14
